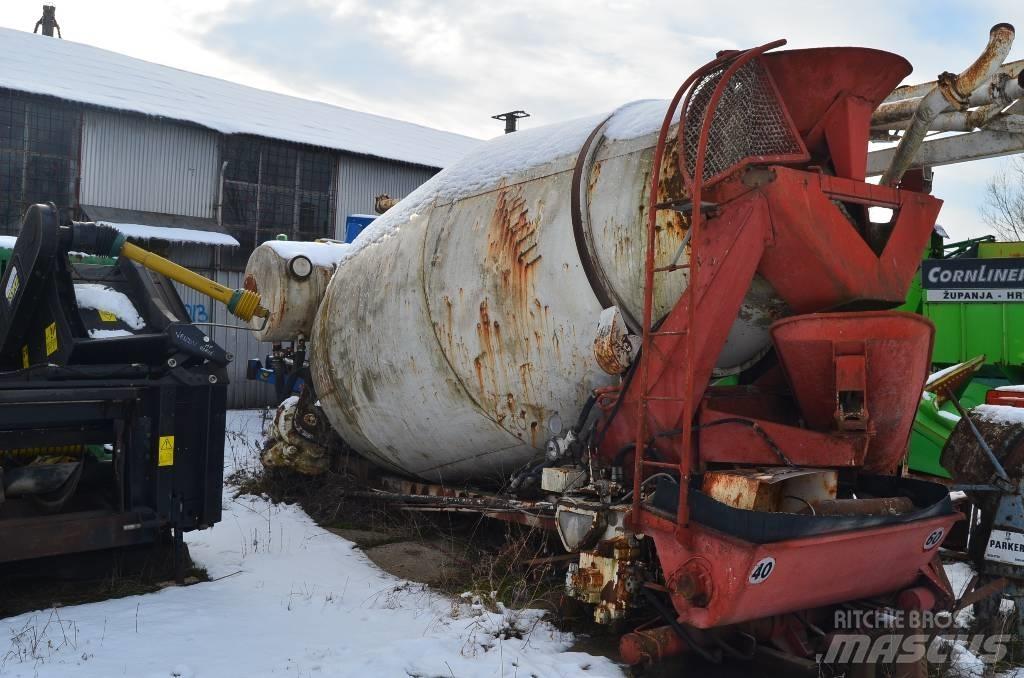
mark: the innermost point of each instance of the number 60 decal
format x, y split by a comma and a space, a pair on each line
934, 539
762, 570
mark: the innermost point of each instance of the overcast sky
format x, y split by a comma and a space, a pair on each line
453, 64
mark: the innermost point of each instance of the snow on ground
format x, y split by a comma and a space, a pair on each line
287, 599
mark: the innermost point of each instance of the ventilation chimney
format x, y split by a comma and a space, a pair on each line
48, 21
510, 119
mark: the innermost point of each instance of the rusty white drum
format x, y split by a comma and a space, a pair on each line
457, 334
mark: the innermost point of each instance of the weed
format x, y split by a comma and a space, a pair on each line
36, 642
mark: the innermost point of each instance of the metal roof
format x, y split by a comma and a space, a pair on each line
89, 75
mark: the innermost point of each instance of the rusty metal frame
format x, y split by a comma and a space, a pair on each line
652, 223
696, 221
595, 273
695, 185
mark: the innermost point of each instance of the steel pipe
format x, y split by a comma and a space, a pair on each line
1000, 91
1011, 70
949, 91
955, 121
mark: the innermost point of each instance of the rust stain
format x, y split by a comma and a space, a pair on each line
479, 369
512, 246
612, 349
595, 174
512, 322
671, 189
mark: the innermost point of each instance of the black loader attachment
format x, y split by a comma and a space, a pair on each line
112, 405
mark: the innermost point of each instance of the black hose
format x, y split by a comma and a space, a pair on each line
618, 401
585, 413
735, 653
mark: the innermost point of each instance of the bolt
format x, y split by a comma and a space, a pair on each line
206, 340
212, 379
309, 419
171, 362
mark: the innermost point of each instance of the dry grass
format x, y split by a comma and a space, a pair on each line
88, 577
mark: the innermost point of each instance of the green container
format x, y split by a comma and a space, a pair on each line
968, 329
933, 425
964, 331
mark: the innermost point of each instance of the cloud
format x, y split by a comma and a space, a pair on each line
454, 63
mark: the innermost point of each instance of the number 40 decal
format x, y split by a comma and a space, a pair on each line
762, 570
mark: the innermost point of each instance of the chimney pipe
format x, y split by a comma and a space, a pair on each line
48, 21
511, 119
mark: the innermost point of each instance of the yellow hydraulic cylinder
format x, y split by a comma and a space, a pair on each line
242, 303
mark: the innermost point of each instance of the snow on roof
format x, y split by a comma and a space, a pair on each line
182, 235
89, 75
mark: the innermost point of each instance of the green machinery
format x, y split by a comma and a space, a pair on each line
974, 293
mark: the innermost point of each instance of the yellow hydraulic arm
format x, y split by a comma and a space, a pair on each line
244, 304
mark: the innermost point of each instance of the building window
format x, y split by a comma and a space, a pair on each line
39, 149
272, 188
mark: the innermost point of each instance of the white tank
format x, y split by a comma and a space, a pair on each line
457, 334
292, 279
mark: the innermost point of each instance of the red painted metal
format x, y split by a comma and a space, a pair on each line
639, 426
649, 646
1008, 398
807, 573
831, 93
894, 349
724, 437
919, 598
847, 383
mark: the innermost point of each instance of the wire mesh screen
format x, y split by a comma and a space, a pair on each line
272, 188
39, 149
748, 122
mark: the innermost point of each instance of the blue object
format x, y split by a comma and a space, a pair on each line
355, 223
256, 372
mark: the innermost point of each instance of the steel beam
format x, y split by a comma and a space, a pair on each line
952, 150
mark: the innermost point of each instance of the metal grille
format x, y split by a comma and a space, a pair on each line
272, 188
748, 122
39, 143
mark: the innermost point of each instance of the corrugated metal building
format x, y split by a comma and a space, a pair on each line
116, 139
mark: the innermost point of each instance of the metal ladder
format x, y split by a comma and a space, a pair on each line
731, 62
